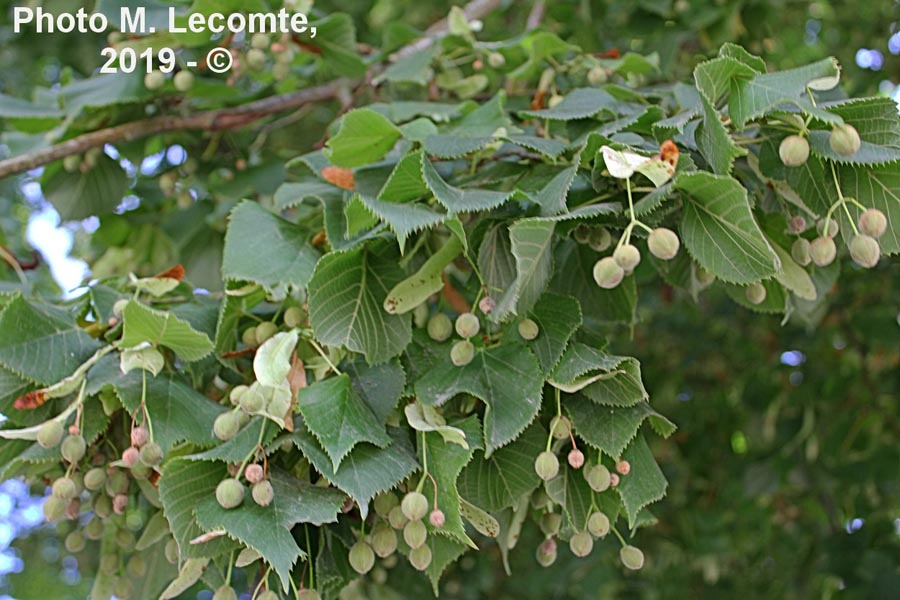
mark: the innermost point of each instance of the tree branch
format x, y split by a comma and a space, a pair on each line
225, 118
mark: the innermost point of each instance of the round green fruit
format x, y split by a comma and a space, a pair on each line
794, 150
872, 222
64, 488
627, 256
496, 60
362, 557
73, 448
528, 329
546, 465
184, 81
598, 478
262, 493
663, 243
822, 251
550, 523
249, 336
94, 479
264, 331
582, 233
294, 317
420, 315
226, 426
384, 541
439, 327
54, 508
384, 503
755, 293
397, 519
230, 493
864, 250
154, 80
50, 434
598, 524
151, 454
256, 58
597, 76
581, 544
75, 542
467, 325
415, 534
844, 140
462, 353
546, 553
800, 252
631, 557
560, 427
607, 273
420, 557
599, 239
260, 41
414, 506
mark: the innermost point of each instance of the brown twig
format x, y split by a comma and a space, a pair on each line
225, 118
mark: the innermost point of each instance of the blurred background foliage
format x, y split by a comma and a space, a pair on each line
784, 477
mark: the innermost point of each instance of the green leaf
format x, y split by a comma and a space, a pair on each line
580, 103
558, 317
415, 68
336, 36
367, 470
346, 295
42, 343
268, 529
532, 245
445, 462
496, 261
645, 483
405, 183
15, 108
454, 146
404, 219
143, 325
379, 386
183, 486
607, 429
552, 197
605, 379
339, 419
793, 276
507, 378
272, 363
365, 137
570, 490
714, 80
80, 195
425, 418
265, 249
752, 99
719, 231
458, 200
444, 552
498, 481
